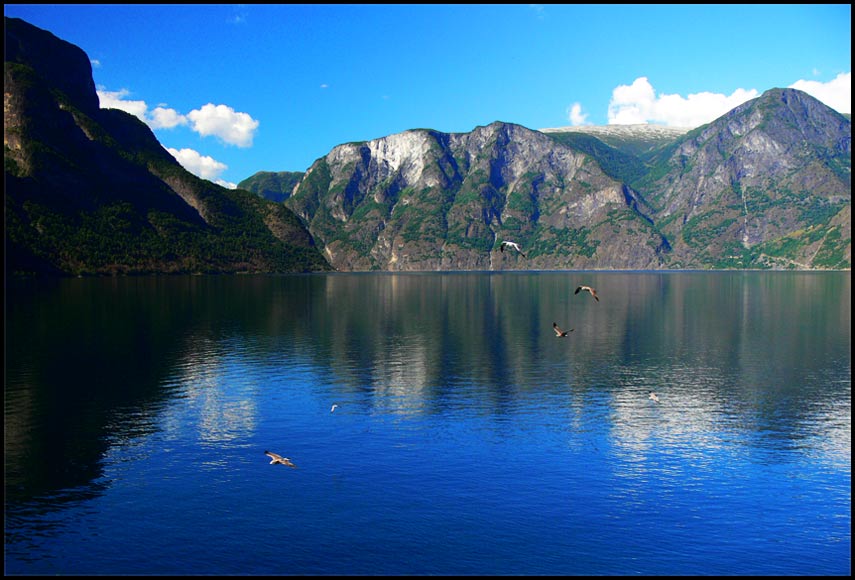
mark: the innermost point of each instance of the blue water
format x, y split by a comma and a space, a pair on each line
468, 439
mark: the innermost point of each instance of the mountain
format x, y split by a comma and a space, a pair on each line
767, 185
638, 140
91, 191
425, 200
273, 185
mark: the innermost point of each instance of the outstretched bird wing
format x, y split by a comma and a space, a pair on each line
589, 290
276, 458
513, 245
558, 330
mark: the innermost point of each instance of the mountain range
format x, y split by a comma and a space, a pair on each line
91, 191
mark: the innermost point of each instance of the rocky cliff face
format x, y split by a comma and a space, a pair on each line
425, 200
756, 179
65, 64
91, 191
766, 186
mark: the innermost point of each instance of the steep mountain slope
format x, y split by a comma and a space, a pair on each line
766, 185
91, 191
425, 200
273, 185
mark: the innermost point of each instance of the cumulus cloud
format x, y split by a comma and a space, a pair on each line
638, 103
836, 93
116, 100
201, 165
575, 115
220, 121
224, 123
159, 118
164, 118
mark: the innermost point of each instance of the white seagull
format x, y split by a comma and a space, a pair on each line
558, 332
333, 408
653, 397
276, 458
513, 245
589, 290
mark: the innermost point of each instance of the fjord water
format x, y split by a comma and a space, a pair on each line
468, 438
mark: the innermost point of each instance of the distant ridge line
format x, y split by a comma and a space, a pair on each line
637, 130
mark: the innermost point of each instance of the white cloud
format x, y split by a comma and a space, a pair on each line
201, 165
95, 63
224, 123
116, 100
220, 121
165, 118
226, 184
836, 93
159, 118
638, 103
575, 115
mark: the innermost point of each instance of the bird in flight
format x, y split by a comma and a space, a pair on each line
588, 289
558, 332
513, 245
653, 397
276, 458
333, 408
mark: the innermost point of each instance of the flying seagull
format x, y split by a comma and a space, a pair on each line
653, 397
276, 458
558, 332
513, 245
588, 289
333, 408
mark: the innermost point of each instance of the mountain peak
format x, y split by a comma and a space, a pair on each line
64, 65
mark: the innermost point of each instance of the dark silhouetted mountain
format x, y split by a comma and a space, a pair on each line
91, 191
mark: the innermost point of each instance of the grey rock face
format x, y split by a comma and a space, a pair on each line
424, 200
739, 192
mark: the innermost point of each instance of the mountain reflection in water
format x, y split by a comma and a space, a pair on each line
456, 403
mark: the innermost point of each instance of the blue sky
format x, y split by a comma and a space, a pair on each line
233, 89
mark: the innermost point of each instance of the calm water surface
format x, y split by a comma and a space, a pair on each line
468, 439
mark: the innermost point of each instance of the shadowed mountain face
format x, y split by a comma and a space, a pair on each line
273, 185
91, 191
768, 185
